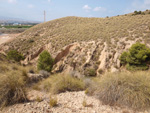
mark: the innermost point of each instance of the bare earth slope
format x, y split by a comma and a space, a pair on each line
7, 38
84, 43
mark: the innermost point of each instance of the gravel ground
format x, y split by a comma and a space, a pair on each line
68, 102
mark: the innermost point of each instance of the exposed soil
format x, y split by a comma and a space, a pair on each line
7, 38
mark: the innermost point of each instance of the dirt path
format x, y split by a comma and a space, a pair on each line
7, 38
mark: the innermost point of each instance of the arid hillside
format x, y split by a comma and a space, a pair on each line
82, 44
78, 65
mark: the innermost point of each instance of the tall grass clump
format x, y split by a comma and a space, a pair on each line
125, 89
12, 87
61, 83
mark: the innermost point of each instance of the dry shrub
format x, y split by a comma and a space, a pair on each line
12, 88
84, 103
39, 99
125, 89
53, 101
91, 86
61, 83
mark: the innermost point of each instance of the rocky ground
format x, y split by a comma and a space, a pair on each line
69, 102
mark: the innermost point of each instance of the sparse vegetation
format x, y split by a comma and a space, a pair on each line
45, 61
12, 86
113, 33
138, 13
84, 103
38, 99
86, 91
64, 31
31, 41
90, 72
53, 101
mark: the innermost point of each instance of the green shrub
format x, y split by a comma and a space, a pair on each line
15, 55
137, 57
45, 61
123, 58
61, 83
138, 13
31, 41
138, 54
125, 89
136, 67
90, 72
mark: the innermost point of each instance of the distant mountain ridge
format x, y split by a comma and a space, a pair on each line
15, 20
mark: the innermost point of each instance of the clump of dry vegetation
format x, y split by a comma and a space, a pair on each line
53, 101
12, 84
125, 89
61, 83
39, 99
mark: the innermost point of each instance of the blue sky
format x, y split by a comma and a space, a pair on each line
33, 9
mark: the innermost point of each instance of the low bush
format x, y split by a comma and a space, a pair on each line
137, 58
91, 85
84, 103
12, 88
45, 61
61, 83
90, 72
39, 99
53, 102
125, 89
138, 13
13, 82
31, 41
123, 58
136, 67
15, 55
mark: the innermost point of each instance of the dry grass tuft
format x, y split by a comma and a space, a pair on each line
53, 101
12, 88
61, 83
125, 89
13, 82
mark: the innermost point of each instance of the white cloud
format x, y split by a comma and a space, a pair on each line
101, 9
87, 8
30, 6
12, 1
49, 0
138, 5
146, 3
